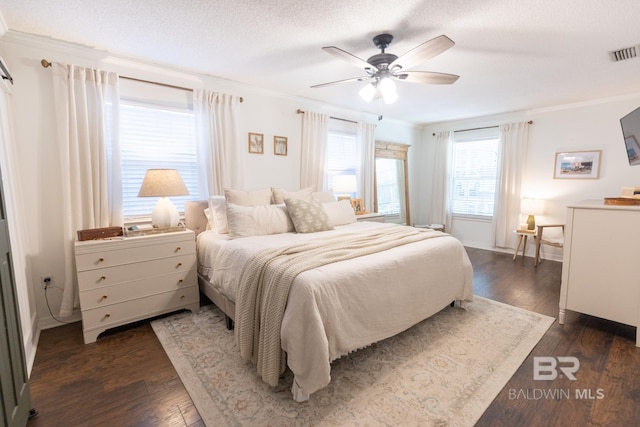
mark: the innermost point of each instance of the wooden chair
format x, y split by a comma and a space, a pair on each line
541, 239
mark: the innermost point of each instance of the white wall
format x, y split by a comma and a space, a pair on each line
39, 172
588, 126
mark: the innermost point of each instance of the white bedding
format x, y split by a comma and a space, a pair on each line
340, 307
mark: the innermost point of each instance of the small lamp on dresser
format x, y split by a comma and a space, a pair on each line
163, 183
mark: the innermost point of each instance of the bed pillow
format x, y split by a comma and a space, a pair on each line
218, 214
324, 196
308, 215
245, 221
278, 194
248, 198
340, 213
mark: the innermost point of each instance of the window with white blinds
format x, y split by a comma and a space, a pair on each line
342, 156
475, 171
155, 137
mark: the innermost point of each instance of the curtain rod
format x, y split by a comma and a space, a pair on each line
299, 111
47, 64
486, 127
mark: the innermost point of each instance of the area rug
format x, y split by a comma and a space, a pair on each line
445, 370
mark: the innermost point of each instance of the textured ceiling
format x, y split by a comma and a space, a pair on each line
510, 55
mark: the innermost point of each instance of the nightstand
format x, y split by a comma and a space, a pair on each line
371, 216
523, 235
122, 280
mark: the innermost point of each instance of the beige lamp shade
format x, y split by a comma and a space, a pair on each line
162, 183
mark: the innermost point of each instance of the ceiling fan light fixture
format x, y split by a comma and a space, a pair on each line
388, 90
368, 92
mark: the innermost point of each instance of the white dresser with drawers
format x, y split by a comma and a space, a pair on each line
126, 279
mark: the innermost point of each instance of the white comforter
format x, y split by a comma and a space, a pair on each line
340, 307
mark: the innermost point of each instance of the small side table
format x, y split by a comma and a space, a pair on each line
524, 234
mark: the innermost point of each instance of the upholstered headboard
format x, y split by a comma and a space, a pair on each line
194, 216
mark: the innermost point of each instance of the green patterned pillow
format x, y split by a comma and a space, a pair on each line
308, 215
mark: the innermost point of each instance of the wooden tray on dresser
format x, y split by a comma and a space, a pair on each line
621, 201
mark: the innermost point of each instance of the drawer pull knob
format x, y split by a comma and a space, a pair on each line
181, 296
180, 281
179, 264
106, 316
102, 278
100, 259
104, 297
178, 249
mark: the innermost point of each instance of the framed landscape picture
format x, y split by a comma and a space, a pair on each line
577, 165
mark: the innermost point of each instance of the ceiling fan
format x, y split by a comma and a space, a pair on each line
383, 68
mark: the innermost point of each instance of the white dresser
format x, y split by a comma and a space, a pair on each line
123, 280
600, 262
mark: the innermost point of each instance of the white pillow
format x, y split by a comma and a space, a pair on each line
218, 214
248, 198
324, 196
245, 221
340, 213
278, 194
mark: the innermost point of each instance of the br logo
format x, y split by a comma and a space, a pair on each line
547, 367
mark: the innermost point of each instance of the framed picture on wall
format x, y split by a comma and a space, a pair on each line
256, 143
577, 165
280, 145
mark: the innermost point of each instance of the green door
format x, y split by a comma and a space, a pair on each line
14, 387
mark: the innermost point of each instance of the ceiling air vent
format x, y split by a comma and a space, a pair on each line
622, 54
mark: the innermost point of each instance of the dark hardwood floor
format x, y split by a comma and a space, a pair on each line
126, 379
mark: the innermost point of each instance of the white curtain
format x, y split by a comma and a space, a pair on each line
440, 211
313, 159
218, 139
514, 139
86, 102
366, 143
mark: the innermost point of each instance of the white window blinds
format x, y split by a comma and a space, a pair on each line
154, 136
475, 170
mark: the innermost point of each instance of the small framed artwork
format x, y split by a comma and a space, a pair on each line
577, 165
280, 145
256, 143
357, 206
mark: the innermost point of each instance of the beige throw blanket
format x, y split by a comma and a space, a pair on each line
267, 278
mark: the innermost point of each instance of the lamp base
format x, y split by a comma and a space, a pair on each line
531, 222
165, 214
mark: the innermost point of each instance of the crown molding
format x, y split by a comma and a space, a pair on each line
170, 74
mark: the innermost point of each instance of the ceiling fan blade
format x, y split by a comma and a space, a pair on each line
427, 77
423, 52
355, 79
346, 56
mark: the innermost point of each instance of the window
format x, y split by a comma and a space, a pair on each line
475, 171
342, 156
155, 136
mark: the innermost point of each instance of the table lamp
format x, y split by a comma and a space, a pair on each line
163, 183
344, 185
531, 208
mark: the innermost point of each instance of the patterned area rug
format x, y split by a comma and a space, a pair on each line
443, 371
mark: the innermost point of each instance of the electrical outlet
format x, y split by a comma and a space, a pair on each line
46, 281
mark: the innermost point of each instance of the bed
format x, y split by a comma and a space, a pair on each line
331, 308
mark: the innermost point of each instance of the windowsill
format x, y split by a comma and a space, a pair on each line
477, 218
